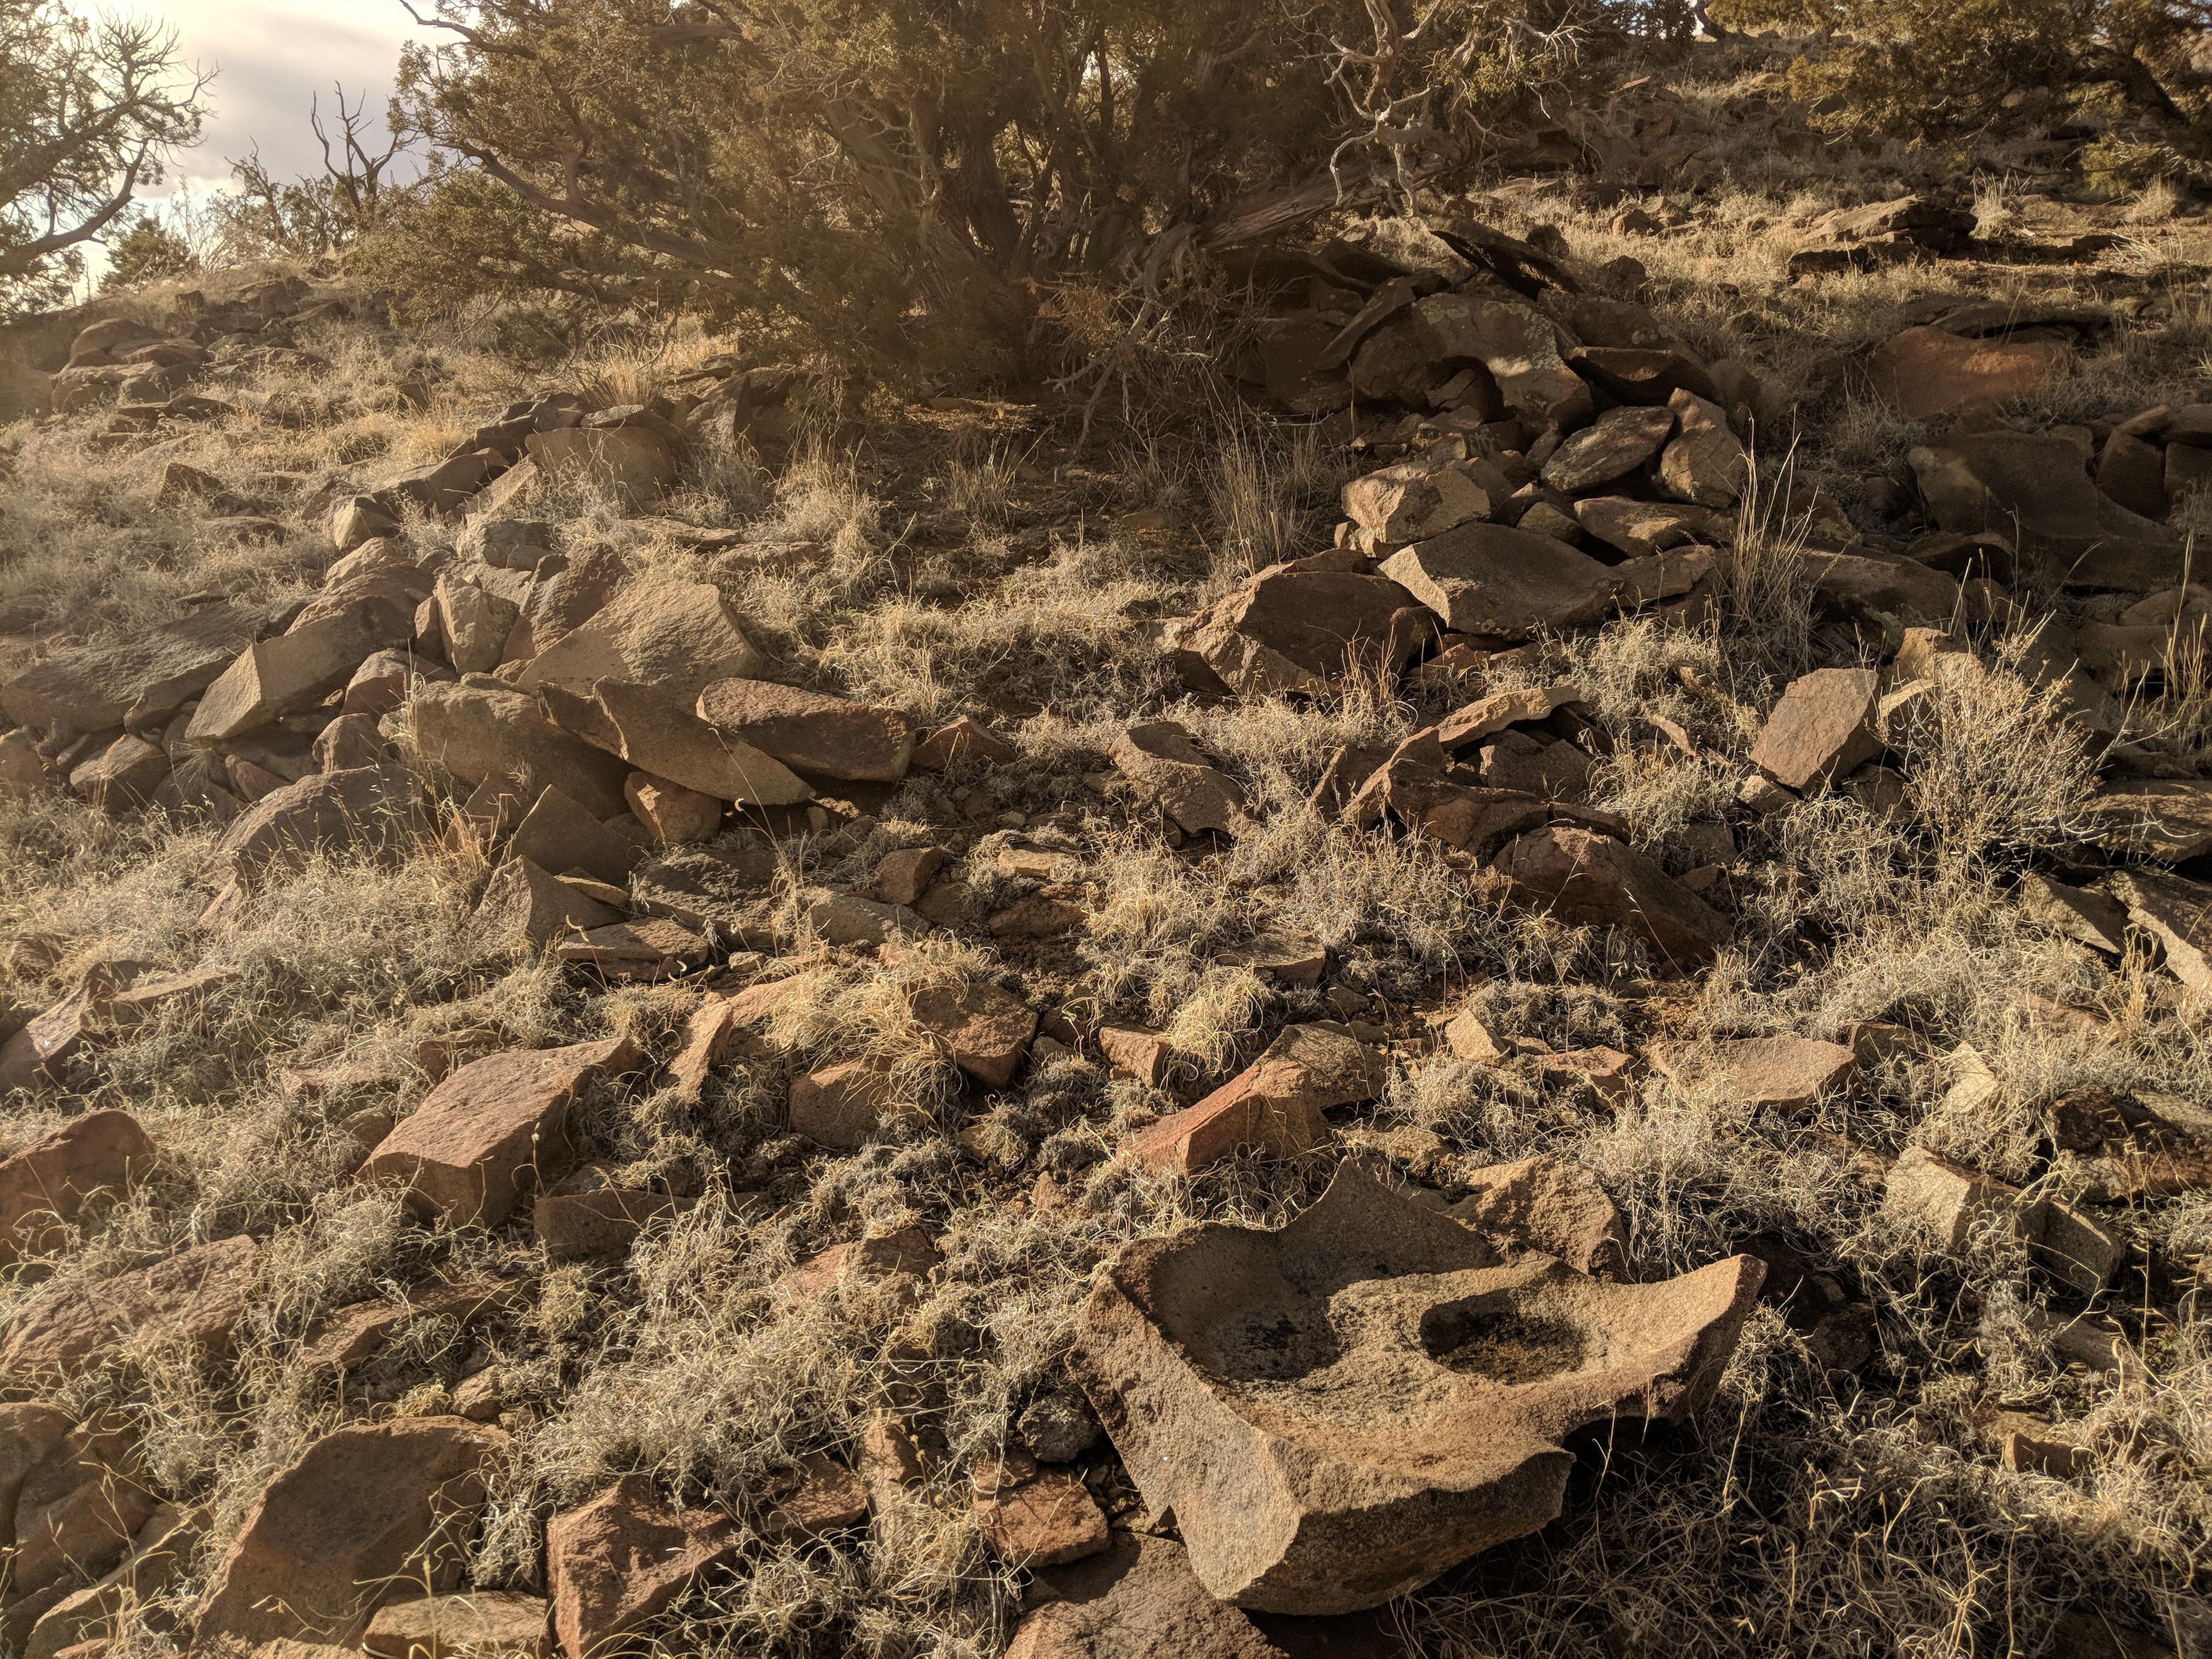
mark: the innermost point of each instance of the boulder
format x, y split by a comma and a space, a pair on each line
648, 949
1137, 1600
122, 777
49, 1182
1927, 372
1519, 348
892, 1267
525, 907
1642, 374
672, 814
986, 1031
1823, 728
158, 1553
472, 623
33, 1055
1707, 465
140, 682
613, 1564
1491, 578
364, 1513
824, 736
482, 1623
375, 810
678, 637
1618, 443
1171, 772
1641, 529
2178, 914
1274, 1106
1295, 629
348, 744
1541, 1204
2080, 913
557, 834
481, 1139
193, 1298
656, 730
1947, 1202
1035, 1517
481, 735
1487, 716
2131, 470
845, 1106
1593, 880
1410, 503
360, 519
1790, 1072
1338, 1411
2036, 489
442, 487
629, 463
901, 878
79, 1507
1889, 591
817, 1500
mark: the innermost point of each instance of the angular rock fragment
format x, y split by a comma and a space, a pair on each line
1541, 1204
140, 681
1593, 880
1948, 1202
843, 1106
672, 814
677, 637
1035, 1517
37, 1054
193, 1298
1173, 773
1618, 443
818, 1499
824, 736
479, 1140
362, 1512
1144, 1055
123, 777
901, 878
348, 744
293, 669
1337, 1411
1274, 1106
473, 623
615, 1562
1489, 715
559, 835
656, 732
2036, 488
482, 1623
1295, 629
1138, 1599
158, 1553
1410, 503
648, 949
481, 736
1823, 728
590, 1213
2179, 914
2079, 913
1641, 529
1491, 578
2169, 819
1789, 1073
1926, 372
630, 462
375, 810
1707, 465
985, 1031
1518, 347
965, 739
49, 1182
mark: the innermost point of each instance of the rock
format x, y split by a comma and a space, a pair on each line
363, 1510
1519, 348
360, 519
140, 682
614, 1563
2169, 819
2037, 487
2072, 1245
79, 1508
818, 1499
848, 918
828, 737
1411, 503
845, 1106
1274, 1106
629, 463
525, 907
1707, 465
159, 1551
1618, 443
671, 814
1469, 1039
482, 1623
2078, 913
480, 1140
1589, 879
1035, 1517
507, 543
23, 770
901, 878
1945, 1201
1641, 529
1789, 1073
442, 487
649, 949
192, 1298
1295, 629
1490, 579
1337, 1411
51, 1039
1144, 1055
31, 1431
656, 732
1927, 372
965, 739
1882, 233
2179, 914
375, 811
983, 1030
123, 775
557, 834
1286, 958
1059, 1426
892, 1267
1823, 728
1487, 716
293, 671
49, 1182
355, 1335
589, 1213
2128, 1150
1138, 1599
2132, 472
485, 736
677, 637
1541, 1204
1170, 771
473, 623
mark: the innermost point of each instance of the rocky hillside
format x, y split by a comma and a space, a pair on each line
1540, 988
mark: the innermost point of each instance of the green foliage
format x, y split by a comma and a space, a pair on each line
1921, 70
147, 251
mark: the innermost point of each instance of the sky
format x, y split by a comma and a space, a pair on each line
272, 57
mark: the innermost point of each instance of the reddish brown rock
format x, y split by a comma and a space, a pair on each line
482, 1623
678, 637
2169, 819
1824, 726
984, 1030
1036, 1517
1411, 501
80, 1506
375, 811
1517, 344
1274, 1106
524, 908
895, 1263
1491, 578
1787, 1071
630, 464
480, 1140
904, 877
35, 1055
843, 1106
481, 735
1175, 775
193, 1298
124, 775
828, 737
2035, 487
364, 1511
1137, 1599
651, 948
347, 743
559, 835
1293, 627
671, 814
141, 680
2179, 914
46, 1184
1707, 465
1926, 372
965, 739
817, 1500
614, 1563
1035, 917
1593, 880
591, 1213
1618, 443
1541, 1204
1144, 1055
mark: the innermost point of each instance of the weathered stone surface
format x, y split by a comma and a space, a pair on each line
194, 1299
2037, 487
159, 1551
1137, 1599
481, 735
650, 948
473, 623
1410, 503
1945, 1201
1059, 1426
275, 676
1294, 629
2093, 918
1337, 1412
1035, 1517
678, 637
559, 835
1144, 1055
1172, 772
142, 680
632, 465
614, 1563
2179, 914
827, 737
30, 1430
482, 1623
442, 487
525, 907
1641, 529
1541, 1204
1469, 1039
1487, 716
672, 814
348, 744
984, 1030
843, 1106
49, 1182
965, 739
1707, 465
480, 1140
1492, 579
362, 1512
589, 1213
1594, 880
360, 519
838, 918
1274, 1106
1786, 1072
656, 730
372, 810
23, 770
2169, 819
356, 1333
1618, 443
901, 878
892, 1267
34, 1056
122, 777
379, 684
1519, 348
2127, 1149
1823, 728
1926, 372
817, 1500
